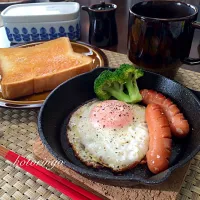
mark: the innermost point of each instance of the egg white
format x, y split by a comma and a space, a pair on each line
118, 149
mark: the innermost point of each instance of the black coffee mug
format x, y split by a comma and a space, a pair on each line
160, 35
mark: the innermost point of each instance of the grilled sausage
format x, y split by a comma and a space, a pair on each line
178, 124
160, 139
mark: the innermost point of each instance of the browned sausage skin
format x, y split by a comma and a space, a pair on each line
178, 124
160, 139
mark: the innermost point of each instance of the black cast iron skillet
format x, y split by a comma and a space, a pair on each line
68, 96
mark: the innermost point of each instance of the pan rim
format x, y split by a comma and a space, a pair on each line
95, 175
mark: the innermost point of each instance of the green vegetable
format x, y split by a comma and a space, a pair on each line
120, 84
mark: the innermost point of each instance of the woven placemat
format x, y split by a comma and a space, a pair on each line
168, 190
19, 131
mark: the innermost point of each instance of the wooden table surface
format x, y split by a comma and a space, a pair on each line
122, 24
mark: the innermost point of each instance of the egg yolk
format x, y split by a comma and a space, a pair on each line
111, 114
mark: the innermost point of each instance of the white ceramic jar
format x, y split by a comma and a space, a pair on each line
42, 21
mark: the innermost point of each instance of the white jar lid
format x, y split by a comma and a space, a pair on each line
41, 12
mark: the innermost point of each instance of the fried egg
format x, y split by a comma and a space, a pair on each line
109, 133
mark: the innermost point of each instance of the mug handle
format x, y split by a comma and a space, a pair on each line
193, 61
85, 8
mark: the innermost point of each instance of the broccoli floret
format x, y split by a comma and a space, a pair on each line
130, 74
120, 84
108, 84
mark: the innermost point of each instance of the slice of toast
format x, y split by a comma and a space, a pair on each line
39, 68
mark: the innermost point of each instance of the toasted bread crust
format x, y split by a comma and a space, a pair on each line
39, 68
50, 81
9, 90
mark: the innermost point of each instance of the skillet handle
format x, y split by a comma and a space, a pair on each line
197, 93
